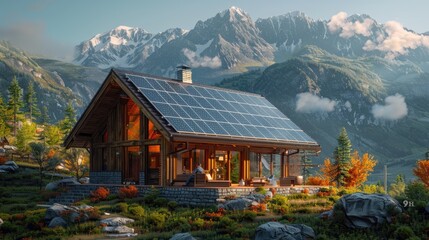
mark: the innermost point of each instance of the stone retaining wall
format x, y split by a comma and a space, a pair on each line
189, 196
105, 177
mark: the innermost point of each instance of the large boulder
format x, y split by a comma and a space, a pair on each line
116, 221
61, 183
7, 168
278, 231
182, 236
237, 204
118, 229
366, 210
57, 222
56, 210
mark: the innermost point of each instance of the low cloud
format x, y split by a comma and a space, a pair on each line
30, 37
394, 108
197, 61
309, 103
339, 22
397, 41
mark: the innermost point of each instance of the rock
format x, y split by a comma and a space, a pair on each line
306, 231
12, 164
276, 230
1, 221
118, 229
327, 215
182, 236
116, 221
57, 222
55, 211
3, 171
269, 194
84, 180
238, 204
367, 210
7, 168
61, 183
256, 197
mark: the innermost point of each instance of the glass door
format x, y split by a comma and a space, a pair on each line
132, 165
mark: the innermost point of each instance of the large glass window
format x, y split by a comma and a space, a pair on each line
153, 133
133, 121
235, 166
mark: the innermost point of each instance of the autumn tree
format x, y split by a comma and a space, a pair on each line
359, 168
15, 102
422, 171
329, 170
52, 136
342, 156
31, 102
76, 161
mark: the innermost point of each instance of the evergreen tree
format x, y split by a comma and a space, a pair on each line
15, 102
4, 128
45, 116
69, 120
24, 136
342, 156
31, 101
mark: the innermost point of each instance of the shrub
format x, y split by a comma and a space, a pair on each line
416, 191
150, 197
198, 223
172, 205
261, 190
306, 191
403, 232
120, 207
178, 223
128, 192
157, 220
318, 181
137, 211
100, 194
372, 189
160, 202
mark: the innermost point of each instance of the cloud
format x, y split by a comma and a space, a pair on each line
395, 108
197, 61
30, 37
397, 40
339, 22
309, 103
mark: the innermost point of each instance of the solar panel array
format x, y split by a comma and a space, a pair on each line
199, 109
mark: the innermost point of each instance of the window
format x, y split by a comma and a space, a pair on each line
153, 133
133, 121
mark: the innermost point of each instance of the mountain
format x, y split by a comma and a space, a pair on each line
122, 47
55, 82
353, 87
231, 42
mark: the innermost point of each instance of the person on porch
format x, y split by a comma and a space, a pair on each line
198, 169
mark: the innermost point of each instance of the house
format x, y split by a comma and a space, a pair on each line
150, 130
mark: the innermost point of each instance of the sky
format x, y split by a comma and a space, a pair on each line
52, 28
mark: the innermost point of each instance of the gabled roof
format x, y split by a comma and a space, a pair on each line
193, 111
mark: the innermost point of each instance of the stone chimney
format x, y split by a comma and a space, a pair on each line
184, 74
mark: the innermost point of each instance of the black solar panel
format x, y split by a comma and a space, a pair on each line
205, 110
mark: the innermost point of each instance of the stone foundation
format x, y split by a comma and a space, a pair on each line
188, 196
105, 177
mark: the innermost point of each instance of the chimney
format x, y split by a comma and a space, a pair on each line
184, 74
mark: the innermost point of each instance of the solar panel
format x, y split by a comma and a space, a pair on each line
213, 111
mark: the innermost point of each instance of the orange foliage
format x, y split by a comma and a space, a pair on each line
262, 207
422, 171
128, 192
359, 169
305, 191
329, 170
318, 181
99, 195
51, 153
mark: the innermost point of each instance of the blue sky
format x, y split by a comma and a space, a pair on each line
52, 27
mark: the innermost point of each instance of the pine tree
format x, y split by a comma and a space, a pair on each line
45, 116
4, 128
69, 120
31, 101
342, 156
15, 102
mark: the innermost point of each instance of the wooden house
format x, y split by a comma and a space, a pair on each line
149, 130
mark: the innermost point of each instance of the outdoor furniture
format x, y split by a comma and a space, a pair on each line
288, 181
205, 180
181, 178
258, 181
